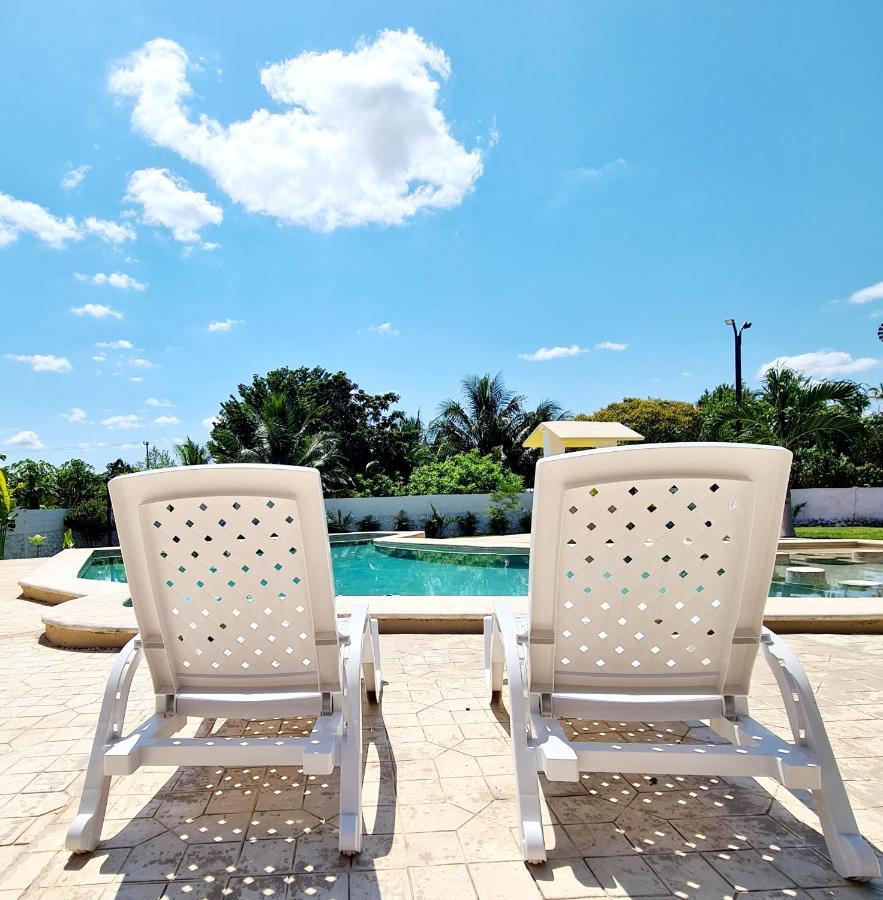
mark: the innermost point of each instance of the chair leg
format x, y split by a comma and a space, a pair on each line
852, 856
493, 660
351, 744
527, 783
371, 662
85, 831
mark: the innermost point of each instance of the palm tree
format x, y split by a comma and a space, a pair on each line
190, 453
491, 419
792, 411
281, 432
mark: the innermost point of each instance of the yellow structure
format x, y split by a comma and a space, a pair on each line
556, 437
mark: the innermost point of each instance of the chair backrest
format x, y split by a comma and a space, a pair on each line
230, 572
650, 567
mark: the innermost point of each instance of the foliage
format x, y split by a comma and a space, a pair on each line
67, 540
339, 523
826, 467
157, 458
502, 504
7, 516
468, 524
190, 453
378, 484
283, 431
368, 523
73, 482
37, 541
525, 520
790, 410
31, 483
369, 437
659, 421
463, 473
491, 419
89, 520
402, 522
435, 523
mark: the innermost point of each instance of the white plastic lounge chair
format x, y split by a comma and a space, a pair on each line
649, 570
230, 573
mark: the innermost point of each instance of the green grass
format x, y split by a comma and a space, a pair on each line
846, 532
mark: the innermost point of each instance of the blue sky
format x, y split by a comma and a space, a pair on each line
428, 192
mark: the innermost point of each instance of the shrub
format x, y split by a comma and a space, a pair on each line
463, 473
368, 523
435, 523
339, 523
660, 421
89, 520
524, 521
502, 503
468, 524
401, 521
67, 540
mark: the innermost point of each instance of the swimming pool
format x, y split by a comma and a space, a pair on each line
364, 569
360, 569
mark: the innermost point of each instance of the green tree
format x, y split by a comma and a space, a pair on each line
74, 482
464, 473
31, 483
7, 516
490, 419
190, 453
282, 432
792, 411
659, 421
370, 436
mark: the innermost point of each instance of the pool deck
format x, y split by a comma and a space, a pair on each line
439, 793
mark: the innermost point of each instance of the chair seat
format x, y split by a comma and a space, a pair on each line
637, 707
252, 705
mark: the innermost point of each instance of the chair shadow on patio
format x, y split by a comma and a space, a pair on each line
212, 832
692, 836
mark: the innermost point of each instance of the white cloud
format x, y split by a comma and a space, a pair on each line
586, 173
130, 421
99, 358
152, 401
209, 422
96, 311
225, 324
75, 415
119, 280
166, 420
868, 294
27, 439
384, 328
363, 139
610, 345
74, 176
23, 217
110, 232
17, 216
115, 345
210, 245
168, 201
136, 378
42, 362
546, 353
822, 364
140, 363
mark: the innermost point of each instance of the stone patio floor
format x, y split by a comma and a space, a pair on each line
439, 803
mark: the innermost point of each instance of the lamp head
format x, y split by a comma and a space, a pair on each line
746, 325
729, 322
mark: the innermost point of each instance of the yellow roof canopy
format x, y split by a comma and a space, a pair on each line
572, 434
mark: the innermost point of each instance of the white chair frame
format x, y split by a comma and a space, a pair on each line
544, 686
326, 684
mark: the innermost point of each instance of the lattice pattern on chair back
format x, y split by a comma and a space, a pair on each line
228, 574
649, 574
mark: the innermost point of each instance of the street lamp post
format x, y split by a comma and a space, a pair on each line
737, 339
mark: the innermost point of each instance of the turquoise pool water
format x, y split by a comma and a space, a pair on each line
360, 569
363, 570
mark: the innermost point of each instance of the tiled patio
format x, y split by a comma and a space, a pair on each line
439, 815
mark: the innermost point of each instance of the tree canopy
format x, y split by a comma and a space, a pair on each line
659, 421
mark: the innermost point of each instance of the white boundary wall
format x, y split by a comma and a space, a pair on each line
826, 505
838, 505
417, 508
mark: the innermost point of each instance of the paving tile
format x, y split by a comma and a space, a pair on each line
562, 879
441, 883
688, 875
626, 876
392, 884
502, 881
748, 870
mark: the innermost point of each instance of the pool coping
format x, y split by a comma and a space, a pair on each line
82, 617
